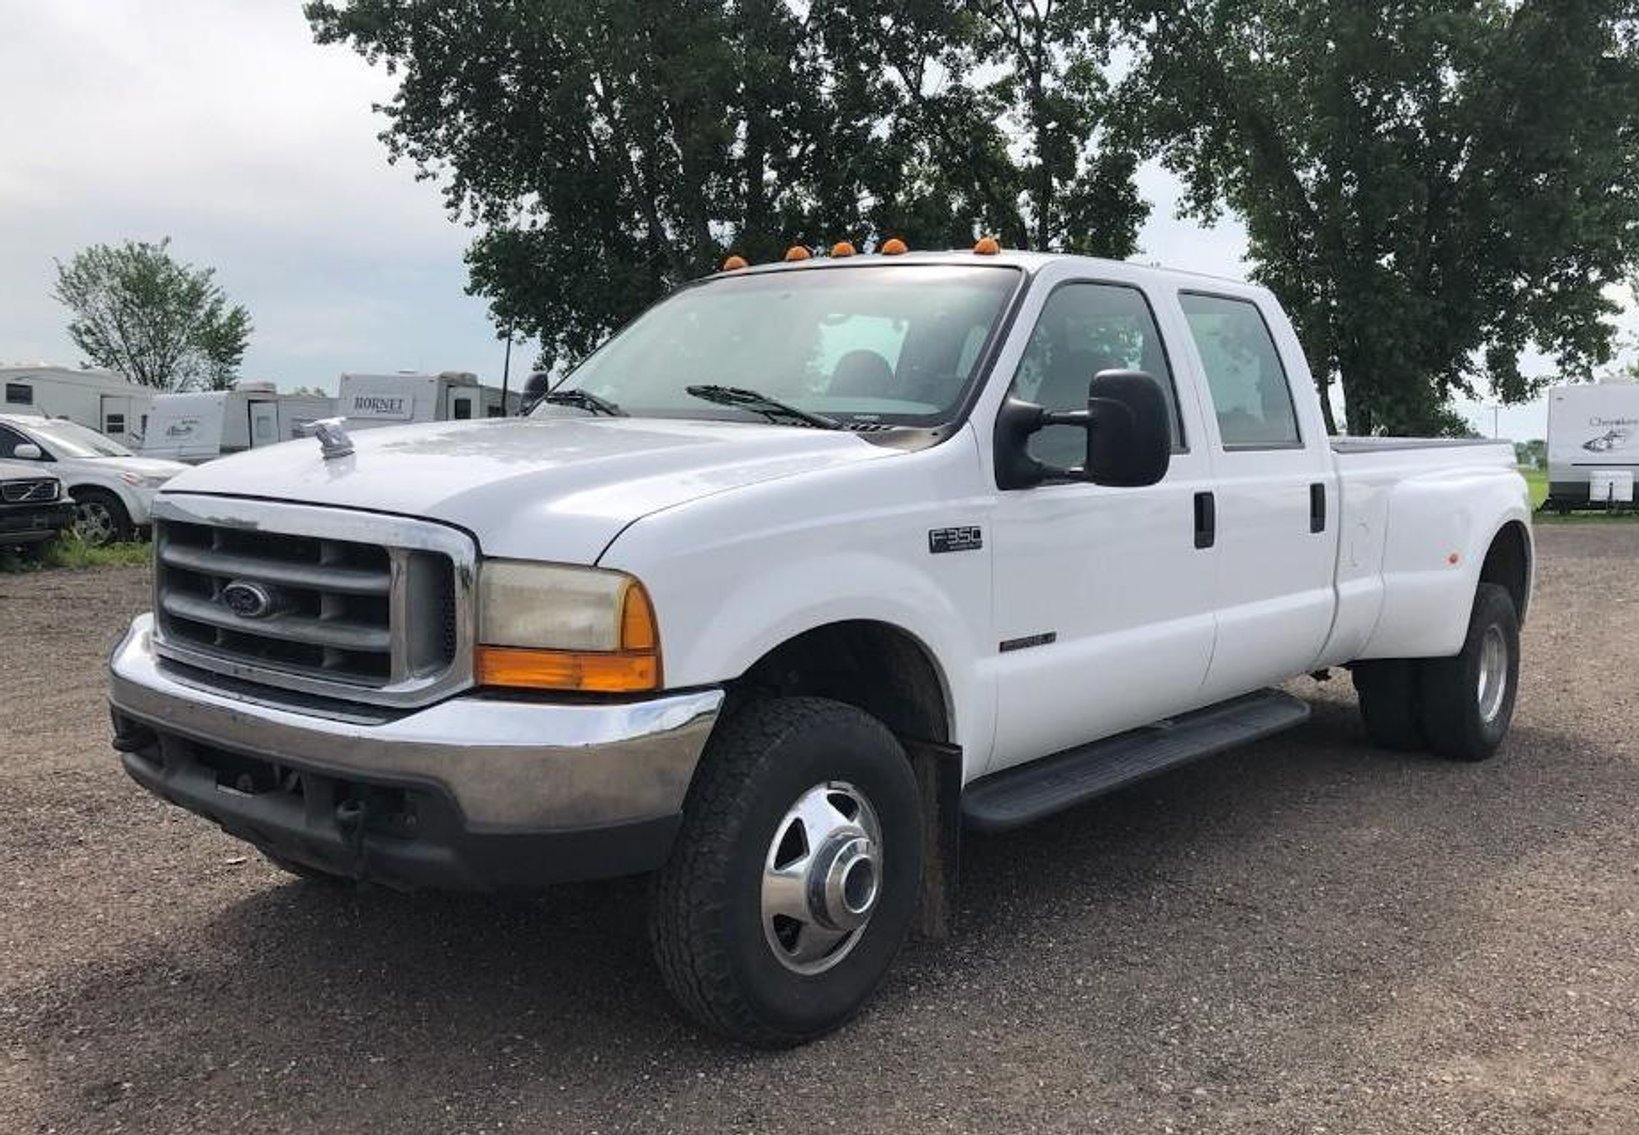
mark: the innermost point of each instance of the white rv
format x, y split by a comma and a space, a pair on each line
198, 427
97, 399
1593, 445
367, 400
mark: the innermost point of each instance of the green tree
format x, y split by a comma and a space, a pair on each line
609, 150
1077, 173
159, 322
994, 116
604, 149
1429, 187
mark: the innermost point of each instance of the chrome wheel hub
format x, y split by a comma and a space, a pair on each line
821, 878
1493, 676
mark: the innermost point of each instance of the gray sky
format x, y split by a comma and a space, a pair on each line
221, 124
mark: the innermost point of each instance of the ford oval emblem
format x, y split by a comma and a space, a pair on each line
247, 600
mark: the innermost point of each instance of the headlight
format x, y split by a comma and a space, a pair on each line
552, 627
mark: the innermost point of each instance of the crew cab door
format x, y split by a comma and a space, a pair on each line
1103, 604
1275, 492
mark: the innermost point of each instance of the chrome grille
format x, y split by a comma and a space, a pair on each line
29, 492
313, 607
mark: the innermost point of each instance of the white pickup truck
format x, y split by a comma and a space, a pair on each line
809, 568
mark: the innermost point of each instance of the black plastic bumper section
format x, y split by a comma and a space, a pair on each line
21, 523
404, 835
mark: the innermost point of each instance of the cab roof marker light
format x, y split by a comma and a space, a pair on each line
893, 246
842, 248
797, 252
987, 246
734, 263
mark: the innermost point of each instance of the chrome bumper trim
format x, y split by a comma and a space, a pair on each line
510, 765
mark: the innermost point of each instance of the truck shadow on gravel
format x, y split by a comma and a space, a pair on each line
1266, 876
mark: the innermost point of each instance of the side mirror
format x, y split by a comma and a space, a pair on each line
28, 451
1129, 437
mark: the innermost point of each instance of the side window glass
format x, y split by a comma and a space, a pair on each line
1085, 329
10, 439
19, 394
1249, 387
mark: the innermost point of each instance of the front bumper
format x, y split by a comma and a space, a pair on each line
28, 524
474, 793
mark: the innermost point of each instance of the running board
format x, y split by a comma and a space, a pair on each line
1028, 792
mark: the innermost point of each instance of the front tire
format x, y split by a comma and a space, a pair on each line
795, 874
100, 518
1467, 700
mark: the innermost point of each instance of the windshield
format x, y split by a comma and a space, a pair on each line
70, 439
891, 344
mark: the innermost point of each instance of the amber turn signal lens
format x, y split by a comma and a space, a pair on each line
893, 246
796, 252
637, 629
987, 246
734, 263
587, 671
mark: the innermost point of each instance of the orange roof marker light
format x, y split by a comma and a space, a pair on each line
796, 252
987, 246
734, 263
842, 248
893, 246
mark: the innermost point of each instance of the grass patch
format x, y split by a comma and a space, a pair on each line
73, 553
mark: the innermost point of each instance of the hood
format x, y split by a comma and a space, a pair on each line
26, 470
556, 488
146, 466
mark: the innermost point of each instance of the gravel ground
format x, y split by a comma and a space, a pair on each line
1305, 936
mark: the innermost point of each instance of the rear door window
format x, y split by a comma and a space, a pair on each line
1244, 373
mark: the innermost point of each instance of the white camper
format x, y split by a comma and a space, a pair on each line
198, 427
1593, 445
367, 400
97, 399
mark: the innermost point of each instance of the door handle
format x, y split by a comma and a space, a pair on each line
1317, 507
1206, 520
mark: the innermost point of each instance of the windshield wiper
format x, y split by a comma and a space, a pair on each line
585, 400
771, 408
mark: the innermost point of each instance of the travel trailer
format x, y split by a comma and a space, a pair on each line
201, 426
97, 399
1593, 445
367, 400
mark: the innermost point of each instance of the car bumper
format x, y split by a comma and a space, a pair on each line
29, 524
474, 793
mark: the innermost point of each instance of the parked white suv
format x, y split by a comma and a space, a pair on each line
113, 488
